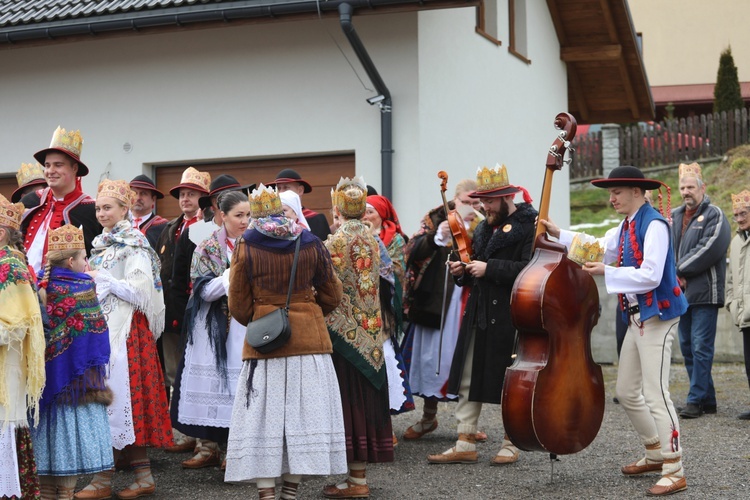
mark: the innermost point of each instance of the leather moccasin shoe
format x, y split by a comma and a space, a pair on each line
480, 436
503, 460
678, 484
141, 491
411, 434
744, 416
351, 491
636, 468
454, 457
210, 460
691, 410
97, 494
185, 446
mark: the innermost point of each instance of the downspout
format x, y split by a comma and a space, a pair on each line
383, 100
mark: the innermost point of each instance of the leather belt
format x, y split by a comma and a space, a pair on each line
634, 310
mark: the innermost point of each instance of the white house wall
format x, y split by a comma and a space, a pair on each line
281, 89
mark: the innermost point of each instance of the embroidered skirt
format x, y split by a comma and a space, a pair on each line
367, 419
286, 419
18, 477
73, 440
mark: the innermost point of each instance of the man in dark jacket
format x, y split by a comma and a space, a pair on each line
144, 218
290, 180
502, 247
701, 236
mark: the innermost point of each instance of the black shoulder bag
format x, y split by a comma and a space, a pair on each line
272, 331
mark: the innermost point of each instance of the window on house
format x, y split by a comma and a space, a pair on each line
487, 21
518, 45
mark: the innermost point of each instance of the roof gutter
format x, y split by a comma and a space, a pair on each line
382, 100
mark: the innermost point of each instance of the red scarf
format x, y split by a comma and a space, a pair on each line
387, 213
47, 205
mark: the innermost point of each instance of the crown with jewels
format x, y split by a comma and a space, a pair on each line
692, 170
264, 201
584, 248
490, 179
10, 213
350, 196
191, 175
67, 237
72, 142
119, 190
741, 200
29, 172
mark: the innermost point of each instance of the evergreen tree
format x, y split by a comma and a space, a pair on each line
727, 95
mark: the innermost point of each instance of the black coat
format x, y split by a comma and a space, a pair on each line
165, 248
319, 226
183, 258
487, 315
153, 232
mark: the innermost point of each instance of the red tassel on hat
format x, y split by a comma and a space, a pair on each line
526, 196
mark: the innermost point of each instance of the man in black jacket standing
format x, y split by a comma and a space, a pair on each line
502, 247
289, 179
701, 236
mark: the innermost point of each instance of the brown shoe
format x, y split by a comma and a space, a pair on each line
411, 434
185, 446
395, 440
502, 460
141, 491
98, 494
678, 484
454, 457
480, 436
200, 461
351, 491
636, 468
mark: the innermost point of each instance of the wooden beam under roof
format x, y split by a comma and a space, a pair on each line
591, 53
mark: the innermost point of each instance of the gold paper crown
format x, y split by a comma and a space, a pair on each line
72, 142
67, 237
264, 201
200, 179
10, 213
29, 172
350, 196
692, 170
741, 200
491, 179
582, 251
119, 190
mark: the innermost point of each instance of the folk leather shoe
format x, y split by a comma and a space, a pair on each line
637, 468
97, 494
352, 490
454, 457
141, 491
691, 410
198, 462
412, 434
677, 484
184, 446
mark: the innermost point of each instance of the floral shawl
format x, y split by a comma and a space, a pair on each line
356, 325
20, 326
126, 254
77, 337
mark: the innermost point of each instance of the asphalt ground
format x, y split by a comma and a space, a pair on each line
716, 458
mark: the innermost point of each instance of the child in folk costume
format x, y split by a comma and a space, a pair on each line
126, 271
21, 358
72, 437
206, 380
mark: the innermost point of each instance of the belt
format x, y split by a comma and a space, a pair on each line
634, 310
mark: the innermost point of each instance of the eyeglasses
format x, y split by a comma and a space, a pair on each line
472, 202
740, 215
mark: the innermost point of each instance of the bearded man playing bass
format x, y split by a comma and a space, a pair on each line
502, 247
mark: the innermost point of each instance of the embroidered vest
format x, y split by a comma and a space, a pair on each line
667, 299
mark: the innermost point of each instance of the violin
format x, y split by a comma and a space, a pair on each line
461, 240
553, 394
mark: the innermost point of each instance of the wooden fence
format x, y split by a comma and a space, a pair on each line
650, 144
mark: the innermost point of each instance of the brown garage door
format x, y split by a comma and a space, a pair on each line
322, 172
8, 184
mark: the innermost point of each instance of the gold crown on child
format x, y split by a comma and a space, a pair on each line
119, 190
350, 196
264, 201
489, 179
741, 200
692, 170
29, 172
10, 213
67, 237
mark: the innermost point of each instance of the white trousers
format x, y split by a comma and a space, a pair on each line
643, 381
467, 412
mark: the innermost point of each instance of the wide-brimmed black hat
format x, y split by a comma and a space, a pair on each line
224, 182
145, 182
288, 175
627, 176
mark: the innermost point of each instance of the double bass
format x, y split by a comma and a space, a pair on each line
553, 394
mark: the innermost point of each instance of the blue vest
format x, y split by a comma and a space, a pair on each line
667, 299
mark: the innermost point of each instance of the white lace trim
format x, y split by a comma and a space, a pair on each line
10, 483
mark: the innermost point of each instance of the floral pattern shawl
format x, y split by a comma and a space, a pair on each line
356, 325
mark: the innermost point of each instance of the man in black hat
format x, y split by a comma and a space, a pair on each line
144, 217
288, 179
651, 302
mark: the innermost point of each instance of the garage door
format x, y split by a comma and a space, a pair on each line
8, 184
322, 172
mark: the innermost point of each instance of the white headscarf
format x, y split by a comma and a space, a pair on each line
291, 199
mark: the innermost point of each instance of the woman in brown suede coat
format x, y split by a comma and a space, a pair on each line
287, 419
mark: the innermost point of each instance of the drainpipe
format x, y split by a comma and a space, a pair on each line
383, 100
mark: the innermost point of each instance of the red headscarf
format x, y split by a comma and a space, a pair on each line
385, 209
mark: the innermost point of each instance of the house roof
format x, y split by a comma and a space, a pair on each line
606, 77
691, 94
